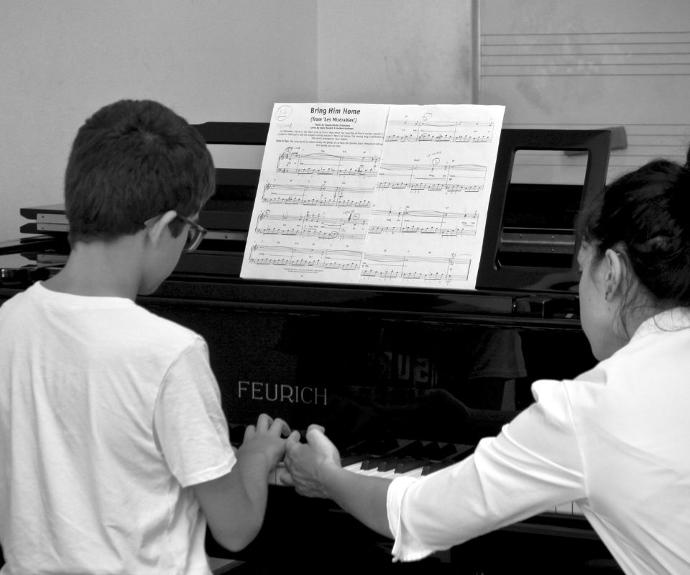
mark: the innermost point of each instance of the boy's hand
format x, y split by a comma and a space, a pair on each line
264, 444
305, 462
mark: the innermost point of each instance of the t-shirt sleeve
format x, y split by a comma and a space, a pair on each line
533, 465
189, 422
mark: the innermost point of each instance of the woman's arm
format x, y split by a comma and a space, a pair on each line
316, 472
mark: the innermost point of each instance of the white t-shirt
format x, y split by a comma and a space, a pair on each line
108, 413
616, 440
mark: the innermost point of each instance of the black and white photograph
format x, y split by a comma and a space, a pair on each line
344, 286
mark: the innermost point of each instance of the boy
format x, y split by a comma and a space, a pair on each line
114, 447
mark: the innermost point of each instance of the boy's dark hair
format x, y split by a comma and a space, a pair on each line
133, 160
647, 212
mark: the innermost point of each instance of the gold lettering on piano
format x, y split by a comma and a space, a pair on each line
281, 393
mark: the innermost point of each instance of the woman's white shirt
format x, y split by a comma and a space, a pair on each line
614, 440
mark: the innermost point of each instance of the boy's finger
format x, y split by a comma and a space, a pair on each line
263, 422
281, 426
249, 431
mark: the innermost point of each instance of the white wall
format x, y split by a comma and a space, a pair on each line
208, 60
395, 51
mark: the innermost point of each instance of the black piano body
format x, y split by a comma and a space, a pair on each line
401, 379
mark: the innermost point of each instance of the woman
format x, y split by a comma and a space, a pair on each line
614, 440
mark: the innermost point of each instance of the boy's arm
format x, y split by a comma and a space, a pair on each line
192, 431
235, 503
316, 472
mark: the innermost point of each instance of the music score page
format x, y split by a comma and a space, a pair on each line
371, 194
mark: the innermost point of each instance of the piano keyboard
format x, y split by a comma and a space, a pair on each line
413, 458
389, 458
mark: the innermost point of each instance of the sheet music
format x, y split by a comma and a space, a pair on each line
374, 194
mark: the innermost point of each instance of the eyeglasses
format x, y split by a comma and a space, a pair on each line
195, 233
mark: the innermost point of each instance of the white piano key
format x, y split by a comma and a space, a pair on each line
354, 467
368, 472
359, 471
385, 474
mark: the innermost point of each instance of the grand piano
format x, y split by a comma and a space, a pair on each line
404, 380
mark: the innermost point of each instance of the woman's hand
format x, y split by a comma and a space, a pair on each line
306, 461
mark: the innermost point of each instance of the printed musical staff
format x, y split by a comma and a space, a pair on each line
434, 168
444, 224
420, 186
427, 269
318, 195
429, 130
293, 257
434, 176
420, 268
312, 224
293, 161
354, 225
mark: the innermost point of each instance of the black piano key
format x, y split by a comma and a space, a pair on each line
431, 467
405, 455
410, 449
405, 465
448, 450
350, 459
377, 453
461, 452
406, 449
435, 451
389, 463
370, 463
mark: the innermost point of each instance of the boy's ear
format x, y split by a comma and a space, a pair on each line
158, 226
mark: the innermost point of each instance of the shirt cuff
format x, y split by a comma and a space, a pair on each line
406, 547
